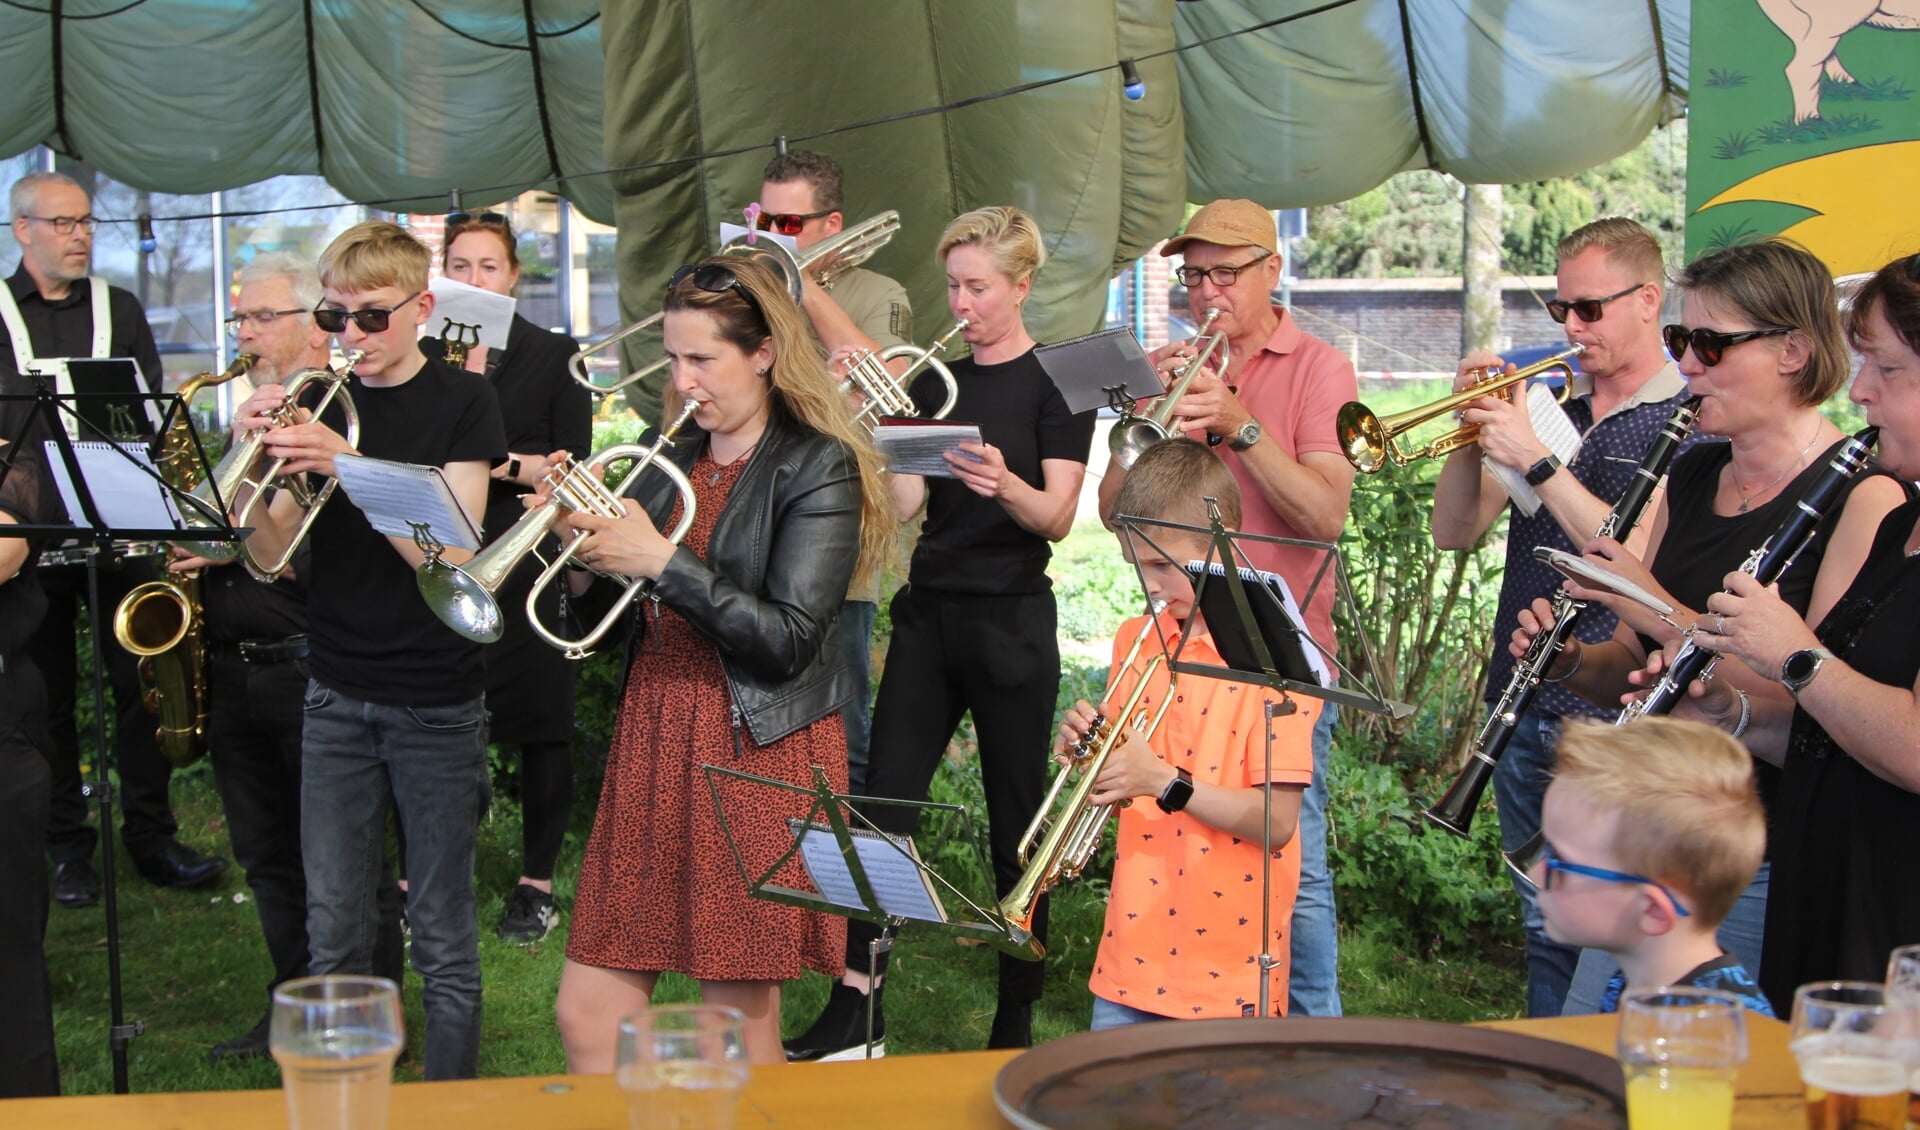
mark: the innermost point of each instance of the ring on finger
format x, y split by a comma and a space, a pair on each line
1719, 624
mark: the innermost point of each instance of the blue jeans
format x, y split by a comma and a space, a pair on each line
1519, 783
1313, 979
1108, 1014
429, 762
1739, 935
856, 645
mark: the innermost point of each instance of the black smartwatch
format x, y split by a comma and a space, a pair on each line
1542, 471
1177, 793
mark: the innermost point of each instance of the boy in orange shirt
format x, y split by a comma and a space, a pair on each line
1182, 936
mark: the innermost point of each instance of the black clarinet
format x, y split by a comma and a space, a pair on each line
1455, 810
1765, 564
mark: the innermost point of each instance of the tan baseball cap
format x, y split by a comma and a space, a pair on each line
1229, 223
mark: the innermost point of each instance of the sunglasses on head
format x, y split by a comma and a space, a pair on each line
714, 278
477, 218
788, 223
372, 320
1589, 309
1710, 345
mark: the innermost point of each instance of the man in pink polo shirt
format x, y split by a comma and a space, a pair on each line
1270, 412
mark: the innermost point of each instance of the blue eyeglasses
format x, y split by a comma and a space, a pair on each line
1555, 863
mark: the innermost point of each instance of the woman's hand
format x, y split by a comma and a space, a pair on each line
535, 475
629, 545
1713, 701
1614, 557
1132, 770
981, 469
1752, 624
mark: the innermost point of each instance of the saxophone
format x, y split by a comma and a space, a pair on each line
161, 621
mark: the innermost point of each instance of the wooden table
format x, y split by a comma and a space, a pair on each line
927, 1092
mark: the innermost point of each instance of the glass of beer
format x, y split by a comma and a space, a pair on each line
1852, 1057
1903, 994
682, 1067
336, 1038
1681, 1048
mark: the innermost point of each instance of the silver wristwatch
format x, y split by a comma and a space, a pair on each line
1798, 669
1247, 436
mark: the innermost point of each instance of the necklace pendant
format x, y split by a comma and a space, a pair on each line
1743, 506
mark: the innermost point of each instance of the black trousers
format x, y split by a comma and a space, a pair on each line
27, 1065
146, 816
996, 656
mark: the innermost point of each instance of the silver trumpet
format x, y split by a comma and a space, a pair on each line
463, 597
825, 262
887, 395
1132, 435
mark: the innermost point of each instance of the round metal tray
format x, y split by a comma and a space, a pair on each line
1304, 1074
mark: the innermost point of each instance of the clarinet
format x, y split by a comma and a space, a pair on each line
1455, 810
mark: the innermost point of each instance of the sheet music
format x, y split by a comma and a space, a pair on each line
912, 446
126, 497
892, 867
1556, 430
395, 495
1595, 577
470, 306
1278, 584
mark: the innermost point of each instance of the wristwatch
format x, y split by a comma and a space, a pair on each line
1542, 471
1177, 793
1799, 669
1247, 436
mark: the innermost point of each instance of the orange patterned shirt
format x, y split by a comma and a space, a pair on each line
1182, 935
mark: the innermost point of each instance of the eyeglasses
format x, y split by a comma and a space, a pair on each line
261, 319
64, 225
1589, 309
1555, 864
372, 320
788, 223
455, 218
1710, 345
715, 278
1219, 276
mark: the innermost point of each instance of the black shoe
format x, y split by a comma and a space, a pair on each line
529, 915
251, 1044
75, 885
841, 1031
177, 865
1012, 1026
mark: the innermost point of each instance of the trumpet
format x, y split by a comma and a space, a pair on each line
887, 395
463, 597
824, 262
1371, 441
1057, 848
1132, 435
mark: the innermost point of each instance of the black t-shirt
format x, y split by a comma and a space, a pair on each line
240, 608
373, 637
970, 544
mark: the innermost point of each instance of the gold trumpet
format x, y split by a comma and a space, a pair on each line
884, 394
1132, 435
825, 262
1057, 848
1371, 441
463, 596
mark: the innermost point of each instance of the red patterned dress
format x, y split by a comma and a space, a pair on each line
659, 888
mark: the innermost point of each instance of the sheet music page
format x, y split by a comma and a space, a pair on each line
393, 495
1278, 584
913, 446
470, 306
1556, 430
1595, 577
126, 497
892, 871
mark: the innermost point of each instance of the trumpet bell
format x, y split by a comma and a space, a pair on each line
1130, 439
1361, 437
1371, 442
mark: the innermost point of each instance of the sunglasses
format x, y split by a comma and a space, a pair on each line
1710, 345
1556, 865
1589, 309
372, 320
715, 278
788, 223
1219, 276
477, 218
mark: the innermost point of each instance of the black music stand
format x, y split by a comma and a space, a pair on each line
1264, 645
49, 408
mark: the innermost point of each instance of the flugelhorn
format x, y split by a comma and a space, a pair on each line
1371, 441
1132, 435
1057, 847
463, 597
824, 262
884, 394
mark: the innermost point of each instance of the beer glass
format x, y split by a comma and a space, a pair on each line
1681, 1048
1852, 1059
336, 1038
682, 1067
1903, 993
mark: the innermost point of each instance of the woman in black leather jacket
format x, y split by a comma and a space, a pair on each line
736, 662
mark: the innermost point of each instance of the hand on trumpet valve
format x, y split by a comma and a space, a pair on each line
627, 546
1132, 770
542, 475
1074, 726
1506, 431
1478, 366
307, 446
256, 411
1209, 406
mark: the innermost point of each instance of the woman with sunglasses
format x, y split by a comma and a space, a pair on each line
1842, 705
529, 685
1760, 343
973, 630
734, 661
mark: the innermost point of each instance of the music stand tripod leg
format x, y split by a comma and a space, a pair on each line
876, 947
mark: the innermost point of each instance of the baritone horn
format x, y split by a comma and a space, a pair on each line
463, 596
1132, 435
824, 262
1057, 847
884, 394
1371, 441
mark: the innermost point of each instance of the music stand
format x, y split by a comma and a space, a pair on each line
50, 406
889, 899
1264, 645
